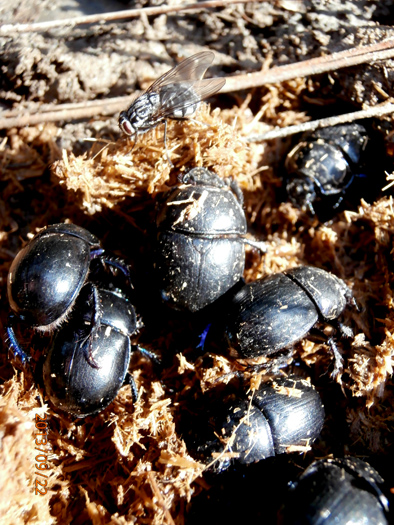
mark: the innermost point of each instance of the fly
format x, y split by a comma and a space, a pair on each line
176, 95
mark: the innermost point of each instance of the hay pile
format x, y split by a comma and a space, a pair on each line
130, 464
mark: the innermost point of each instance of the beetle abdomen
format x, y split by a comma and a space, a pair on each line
294, 411
47, 275
200, 249
268, 315
82, 372
334, 491
194, 271
283, 415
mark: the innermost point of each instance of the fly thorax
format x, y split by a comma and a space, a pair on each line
143, 109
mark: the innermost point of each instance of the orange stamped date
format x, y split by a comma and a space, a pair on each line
41, 460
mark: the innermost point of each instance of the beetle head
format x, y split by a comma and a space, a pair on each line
302, 193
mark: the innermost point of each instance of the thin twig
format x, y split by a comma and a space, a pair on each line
377, 111
314, 66
11, 29
75, 111
70, 105
67, 112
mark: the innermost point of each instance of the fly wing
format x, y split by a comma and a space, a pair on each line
182, 95
190, 69
207, 87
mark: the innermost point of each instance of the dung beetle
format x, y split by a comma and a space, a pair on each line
273, 313
283, 415
62, 281
331, 491
47, 275
323, 166
200, 241
84, 372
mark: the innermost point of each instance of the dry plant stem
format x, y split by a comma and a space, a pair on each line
73, 112
279, 133
70, 106
11, 29
314, 66
160, 499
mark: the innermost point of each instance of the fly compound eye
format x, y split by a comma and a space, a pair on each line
125, 125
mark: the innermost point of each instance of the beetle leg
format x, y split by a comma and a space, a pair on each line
150, 355
236, 190
96, 253
319, 336
94, 323
203, 337
311, 209
259, 245
351, 300
119, 264
338, 359
129, 380
339, 201
274, 364
280, 361
13, 344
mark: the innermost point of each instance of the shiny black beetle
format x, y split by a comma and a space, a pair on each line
332, 491
47, 275
273, 313
62, 281
88, 360
323, 166
284, 415
200, 242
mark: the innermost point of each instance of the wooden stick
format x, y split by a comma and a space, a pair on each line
314, 66
11, 29
377, 111
57, 113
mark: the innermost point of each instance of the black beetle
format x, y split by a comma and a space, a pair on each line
273, 313
200, 242
323, 166
88, 360
282, 415
47, 275
332, 491
63, 281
